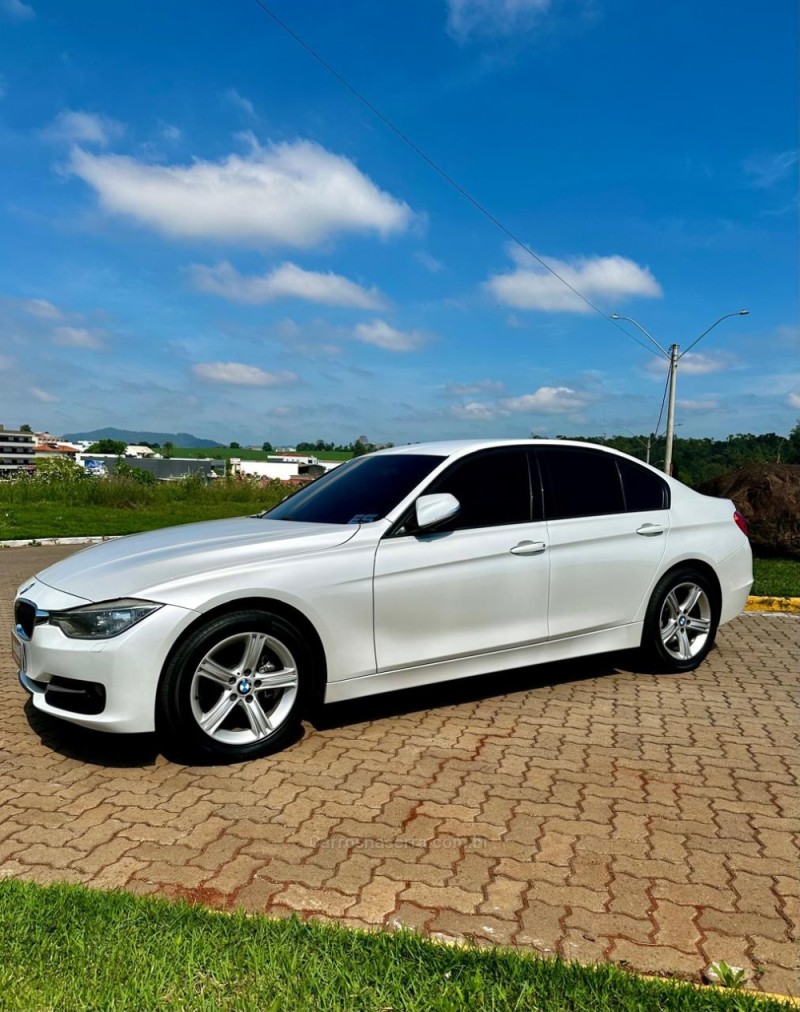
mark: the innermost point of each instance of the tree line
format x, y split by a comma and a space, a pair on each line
700, 459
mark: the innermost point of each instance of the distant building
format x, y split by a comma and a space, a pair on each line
160, 467
283, 468
16, 450
140, 451
47, 449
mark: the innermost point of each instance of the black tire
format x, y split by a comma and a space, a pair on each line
681, 621
236, 687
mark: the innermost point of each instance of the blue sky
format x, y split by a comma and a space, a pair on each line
202, 230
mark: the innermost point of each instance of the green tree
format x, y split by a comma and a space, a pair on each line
25, 428
167, 449
108, 446
792, 451
137, 474
234, 446
266, 447
60, 470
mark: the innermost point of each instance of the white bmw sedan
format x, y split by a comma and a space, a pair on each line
400, 568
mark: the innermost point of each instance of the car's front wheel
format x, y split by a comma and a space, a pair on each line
681, 621
235, 687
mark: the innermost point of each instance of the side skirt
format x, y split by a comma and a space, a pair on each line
623, 638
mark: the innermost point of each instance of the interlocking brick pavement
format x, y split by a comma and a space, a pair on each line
584, 809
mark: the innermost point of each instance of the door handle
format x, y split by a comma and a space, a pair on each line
650, 530
529, 548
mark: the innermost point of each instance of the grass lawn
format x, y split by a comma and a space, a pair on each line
59, 520
776, 577
66, 947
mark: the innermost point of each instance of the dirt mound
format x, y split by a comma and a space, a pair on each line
768, 497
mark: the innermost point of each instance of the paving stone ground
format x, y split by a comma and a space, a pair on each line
586, 809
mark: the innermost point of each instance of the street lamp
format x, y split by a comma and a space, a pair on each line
674, 358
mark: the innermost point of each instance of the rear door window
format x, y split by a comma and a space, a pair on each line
644, 490
579, 482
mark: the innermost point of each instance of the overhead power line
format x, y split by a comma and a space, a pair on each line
437, 168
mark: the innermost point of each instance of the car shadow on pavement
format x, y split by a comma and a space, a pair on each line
98, 748
469, 690
122, 751
118, 751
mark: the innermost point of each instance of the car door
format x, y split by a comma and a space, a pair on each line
478, 584
607, 523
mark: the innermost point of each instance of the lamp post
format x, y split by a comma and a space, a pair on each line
645, 445
674, 357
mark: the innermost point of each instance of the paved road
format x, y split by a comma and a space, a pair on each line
582, 808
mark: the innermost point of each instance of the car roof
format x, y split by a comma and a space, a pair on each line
457, 447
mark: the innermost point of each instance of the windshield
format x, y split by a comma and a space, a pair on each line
358, 492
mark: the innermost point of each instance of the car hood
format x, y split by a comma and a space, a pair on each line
129, 566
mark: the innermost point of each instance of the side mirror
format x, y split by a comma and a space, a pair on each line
434, 509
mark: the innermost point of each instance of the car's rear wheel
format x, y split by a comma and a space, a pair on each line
236, 687
681, 621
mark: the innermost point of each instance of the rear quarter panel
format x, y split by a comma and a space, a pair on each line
703, 529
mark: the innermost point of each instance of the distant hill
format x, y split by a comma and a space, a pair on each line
137, 436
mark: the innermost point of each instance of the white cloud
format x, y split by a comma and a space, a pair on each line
73, 126
692, 364
486, 386
475, 411
285, 282
43, 309
429, 262
43, 395
698, 405
544, 401
493, 17
15, 10
238, 374
765, 170
530, 286
695, 364
295, 194
379, 333
79, 337
793, 400
242, 104
171, 133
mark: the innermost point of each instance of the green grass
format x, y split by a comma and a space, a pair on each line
66, 947
52, 520
776, 578
96, 506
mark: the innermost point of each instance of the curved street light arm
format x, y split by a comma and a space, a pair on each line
741, 312
628, 319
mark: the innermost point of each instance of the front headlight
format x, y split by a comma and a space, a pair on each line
101, 621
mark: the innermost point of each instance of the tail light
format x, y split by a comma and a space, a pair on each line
741, 523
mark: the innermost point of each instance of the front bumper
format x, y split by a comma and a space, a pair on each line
106, 685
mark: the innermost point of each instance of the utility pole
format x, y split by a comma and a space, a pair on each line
673, 378
674, 357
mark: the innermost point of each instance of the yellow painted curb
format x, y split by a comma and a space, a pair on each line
783, 604
787, 999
